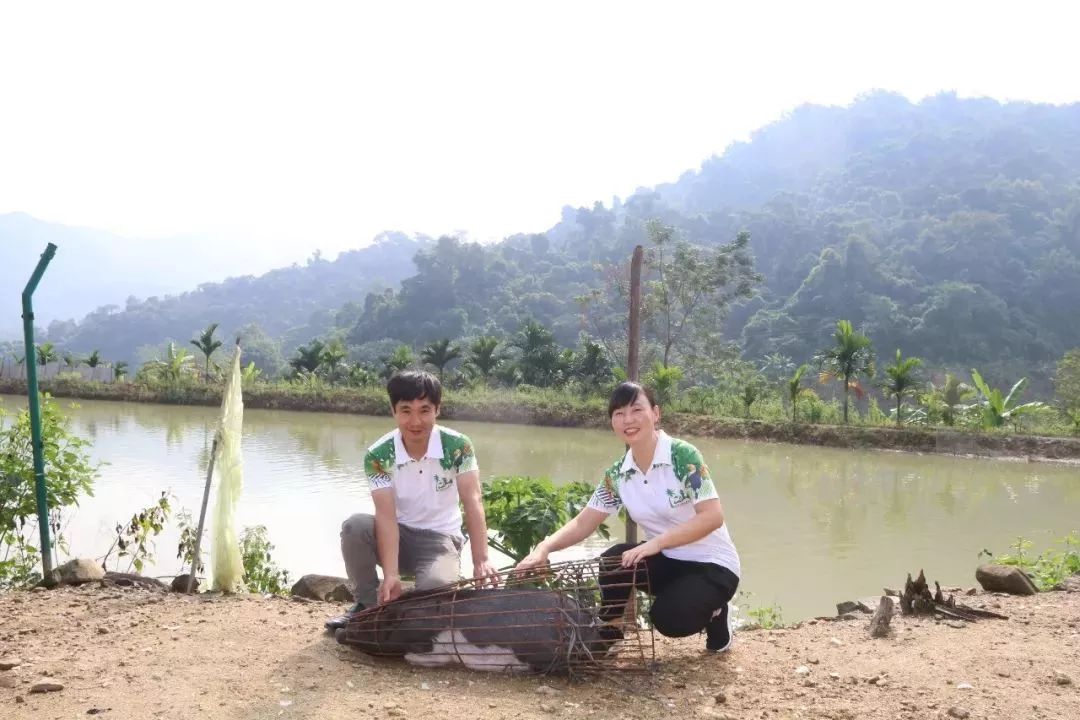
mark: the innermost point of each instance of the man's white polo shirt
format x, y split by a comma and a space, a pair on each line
425, 490
664, 496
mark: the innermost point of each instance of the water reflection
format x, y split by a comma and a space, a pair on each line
814, 525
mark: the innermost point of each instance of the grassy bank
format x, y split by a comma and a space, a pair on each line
563, 409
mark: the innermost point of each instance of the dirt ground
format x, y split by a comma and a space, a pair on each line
128, 653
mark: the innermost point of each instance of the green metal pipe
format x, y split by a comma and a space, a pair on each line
35, 409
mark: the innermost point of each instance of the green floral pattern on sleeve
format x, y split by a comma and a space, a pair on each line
458, 453
379, 465
692, 471
606, 496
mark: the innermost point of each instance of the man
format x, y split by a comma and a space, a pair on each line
417, 473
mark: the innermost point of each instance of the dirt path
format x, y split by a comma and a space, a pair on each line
138, 654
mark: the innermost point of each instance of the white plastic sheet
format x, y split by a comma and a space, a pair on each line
226, 565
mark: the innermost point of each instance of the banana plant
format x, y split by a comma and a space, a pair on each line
997, 410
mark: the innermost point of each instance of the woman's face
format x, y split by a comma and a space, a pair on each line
636, 420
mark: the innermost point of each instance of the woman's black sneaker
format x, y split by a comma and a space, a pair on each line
719, 632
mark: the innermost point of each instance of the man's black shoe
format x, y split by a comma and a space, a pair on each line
340, 621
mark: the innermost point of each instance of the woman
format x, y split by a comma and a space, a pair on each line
693, 567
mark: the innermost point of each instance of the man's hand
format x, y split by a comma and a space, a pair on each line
389, 589
486, 575
634, 555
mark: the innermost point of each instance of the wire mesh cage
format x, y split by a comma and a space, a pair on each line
576, 617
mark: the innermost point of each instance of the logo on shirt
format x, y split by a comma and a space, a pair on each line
677, 498
442, 482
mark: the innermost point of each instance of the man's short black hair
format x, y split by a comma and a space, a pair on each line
414, 385
627, 394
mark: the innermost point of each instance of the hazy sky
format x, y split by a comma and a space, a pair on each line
319, 124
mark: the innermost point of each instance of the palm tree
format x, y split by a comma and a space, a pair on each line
119, 369
850, 358
72, 362
540, 358
46, 353
309, 358
440, 353
93, 360
795, 390
332, 356
902, 380
483, 356
951, 395
207, 345
400, 359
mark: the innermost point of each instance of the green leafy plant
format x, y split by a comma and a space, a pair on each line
185, 549
261, 574
522, 511
998, 409
135, 540
70, 475
1049, 568
766, 617
664, 380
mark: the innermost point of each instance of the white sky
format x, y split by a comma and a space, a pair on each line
319, 124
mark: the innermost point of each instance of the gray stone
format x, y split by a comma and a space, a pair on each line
45, 687
848, 606
75, 572
1070, 584
958, 712
1061, 678
179, 583
323, 587
7, 681
1006, 579
9, 663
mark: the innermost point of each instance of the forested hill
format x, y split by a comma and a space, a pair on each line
291, 304
949, 228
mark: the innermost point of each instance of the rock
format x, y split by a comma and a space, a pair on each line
118, 579
9, 663
75, 572
958, 712
848, 606
849, 616
890, 592
1070, 584
720, 698
547, 690
103, 630
45, 687
323, 587
7, 681
802, 670
957, 624
179, 583
1061, 678
1006, 579
965, 686
836, 642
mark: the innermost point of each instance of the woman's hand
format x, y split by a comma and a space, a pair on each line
634, 555
538, 558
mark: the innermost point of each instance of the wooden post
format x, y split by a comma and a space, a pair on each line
634, 340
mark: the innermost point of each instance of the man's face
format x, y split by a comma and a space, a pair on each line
416, 418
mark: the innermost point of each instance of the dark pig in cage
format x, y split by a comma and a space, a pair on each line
517, 627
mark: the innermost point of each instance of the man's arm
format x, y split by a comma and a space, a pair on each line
387, 543
468, 486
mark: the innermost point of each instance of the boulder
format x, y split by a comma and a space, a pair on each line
127, 580
323, 587
74, 572
1070, 584
179, 584
1006, 579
